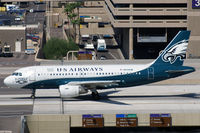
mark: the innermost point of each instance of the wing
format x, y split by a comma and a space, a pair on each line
96, 84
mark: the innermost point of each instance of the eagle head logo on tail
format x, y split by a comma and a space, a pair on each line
175, 51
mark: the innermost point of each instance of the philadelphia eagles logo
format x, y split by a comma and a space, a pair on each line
175, 51
21, 80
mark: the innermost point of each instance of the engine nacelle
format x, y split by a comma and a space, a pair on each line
71, 90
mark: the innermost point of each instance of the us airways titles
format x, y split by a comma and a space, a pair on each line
80, 69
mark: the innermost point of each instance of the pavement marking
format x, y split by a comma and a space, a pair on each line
15, 96
6, 103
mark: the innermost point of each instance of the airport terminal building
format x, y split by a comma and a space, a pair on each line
144, 27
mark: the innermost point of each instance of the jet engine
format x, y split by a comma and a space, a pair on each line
71, 90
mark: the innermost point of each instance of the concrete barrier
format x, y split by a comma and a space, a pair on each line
62, 123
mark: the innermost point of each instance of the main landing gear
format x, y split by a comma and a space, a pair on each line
95, 95
33, 94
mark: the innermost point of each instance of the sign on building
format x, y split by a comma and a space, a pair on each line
92, 120
196, 4
126, 120
160, 120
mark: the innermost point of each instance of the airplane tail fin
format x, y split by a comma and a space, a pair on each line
175, 52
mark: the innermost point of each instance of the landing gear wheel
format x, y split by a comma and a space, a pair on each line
33, 94
95, 95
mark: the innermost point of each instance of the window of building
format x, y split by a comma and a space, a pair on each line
161, 5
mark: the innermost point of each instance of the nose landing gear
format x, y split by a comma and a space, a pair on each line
33, 94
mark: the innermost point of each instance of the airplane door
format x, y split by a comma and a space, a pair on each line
151, 73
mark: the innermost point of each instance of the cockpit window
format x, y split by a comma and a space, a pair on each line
17, 74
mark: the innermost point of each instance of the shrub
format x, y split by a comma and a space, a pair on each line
57, 48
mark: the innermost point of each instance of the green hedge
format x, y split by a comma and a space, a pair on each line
57, 48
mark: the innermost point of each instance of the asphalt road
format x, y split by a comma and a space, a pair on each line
35, 17
18, 60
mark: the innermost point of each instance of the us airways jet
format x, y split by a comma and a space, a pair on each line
73, 80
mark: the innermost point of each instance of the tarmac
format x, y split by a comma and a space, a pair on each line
142, 99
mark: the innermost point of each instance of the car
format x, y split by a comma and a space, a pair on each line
17, 19
94, 38
102, 57
89, 46
31, 10
30, 51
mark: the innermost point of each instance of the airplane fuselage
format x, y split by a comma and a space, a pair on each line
39, 77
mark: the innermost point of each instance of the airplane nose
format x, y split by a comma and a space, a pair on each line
7, 81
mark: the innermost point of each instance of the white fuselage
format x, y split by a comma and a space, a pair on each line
24, 76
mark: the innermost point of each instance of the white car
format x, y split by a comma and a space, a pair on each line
89, 46
30, 51
17, 19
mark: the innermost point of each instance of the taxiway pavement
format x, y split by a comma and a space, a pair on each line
142, 99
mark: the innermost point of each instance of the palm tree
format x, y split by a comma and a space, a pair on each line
72, 16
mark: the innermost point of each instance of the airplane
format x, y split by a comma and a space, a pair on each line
73, 80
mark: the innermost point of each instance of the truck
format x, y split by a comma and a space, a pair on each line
5, 51
101, 45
